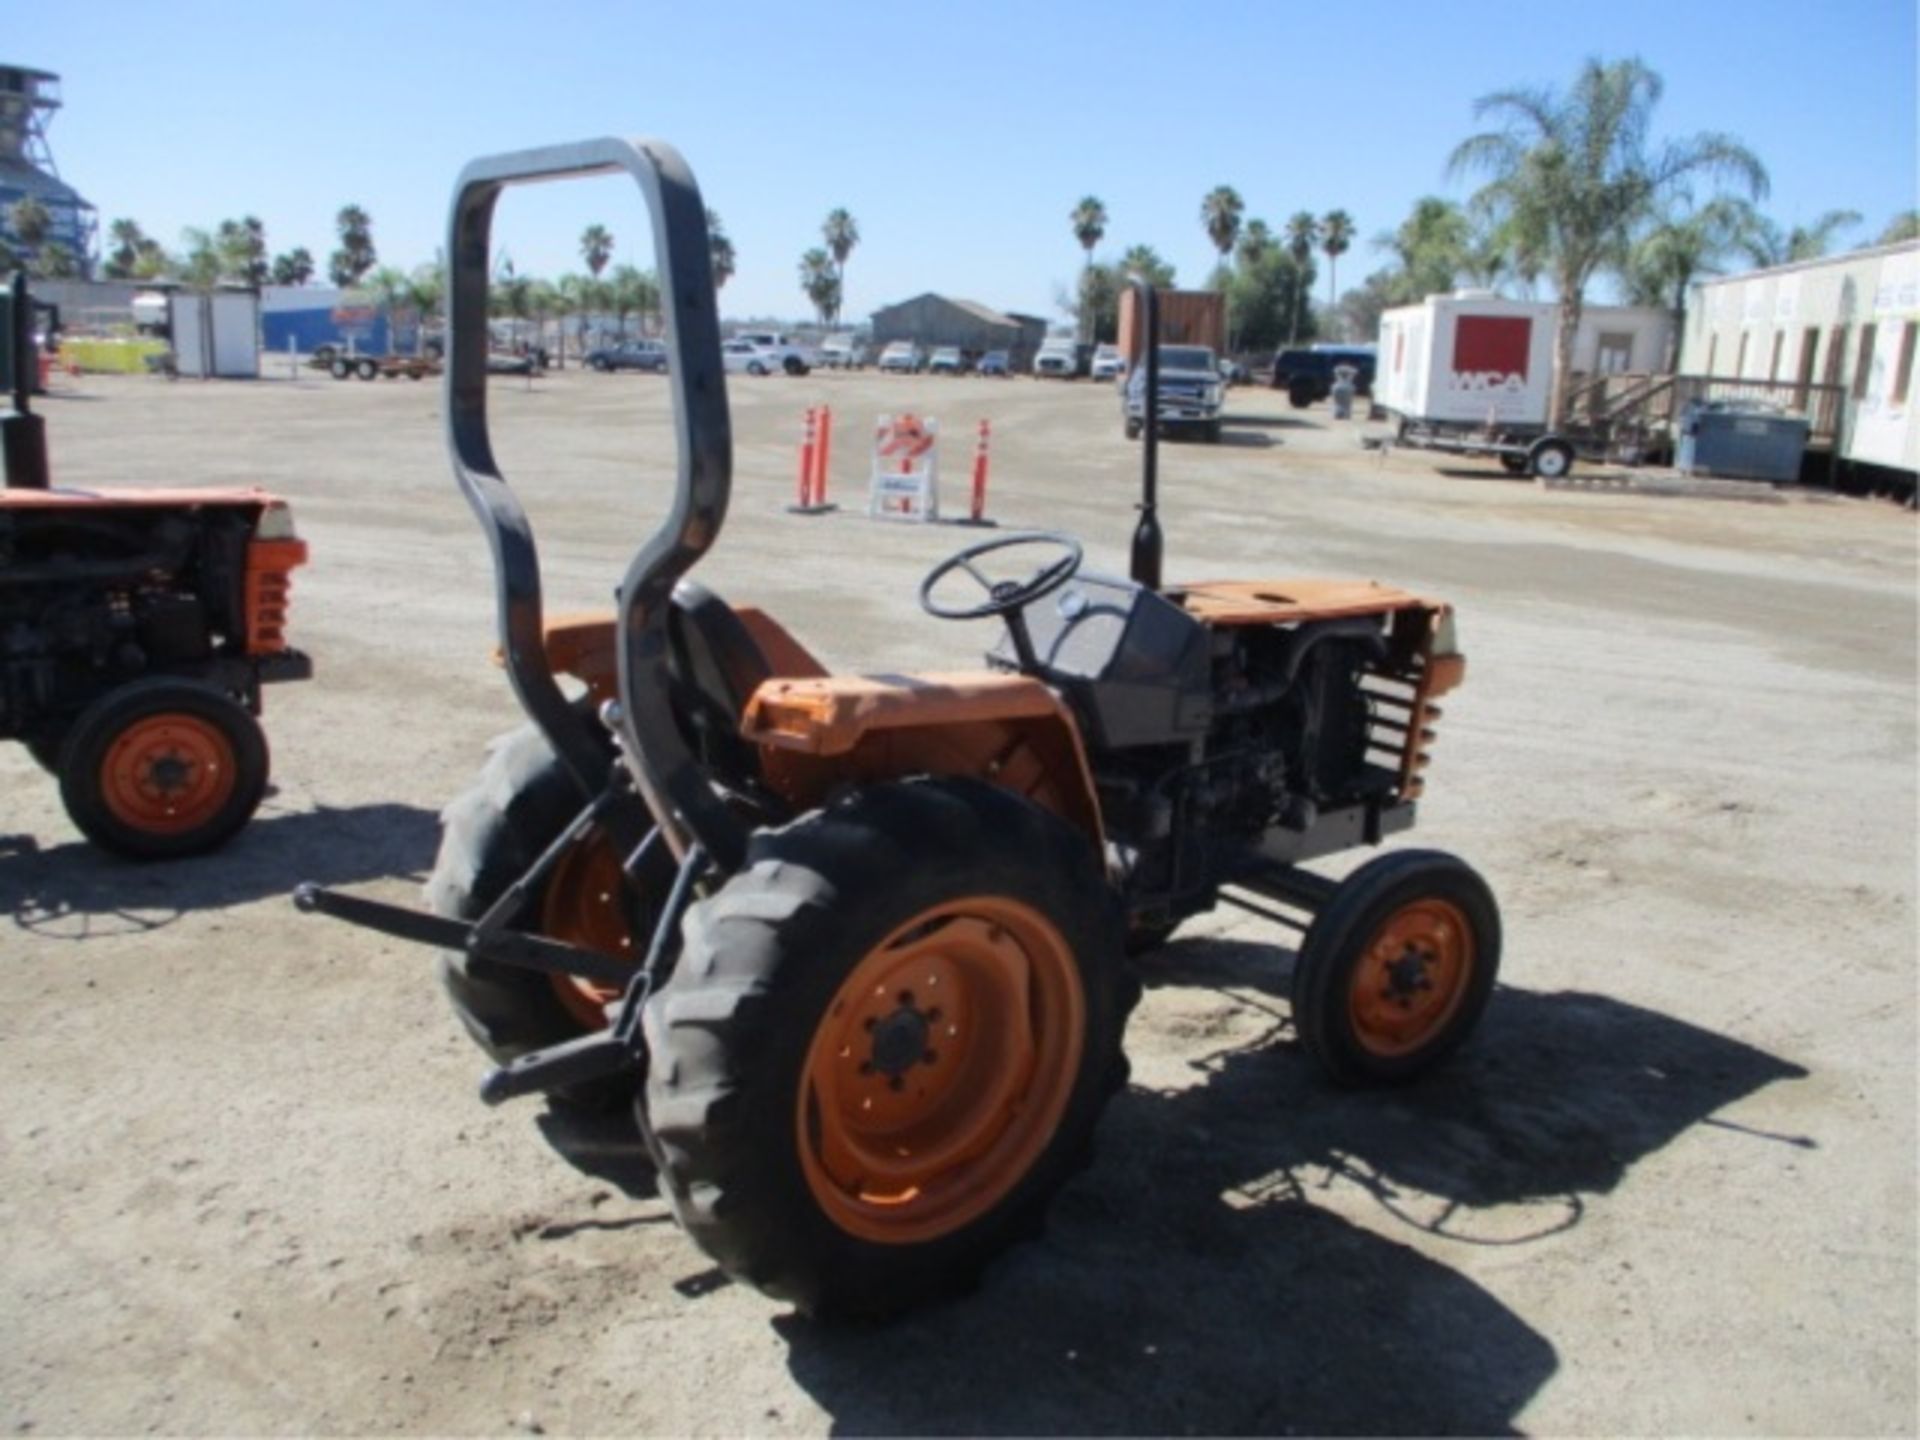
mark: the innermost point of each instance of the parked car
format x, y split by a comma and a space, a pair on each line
629, 355
1059, 359
1232, 372
840, 352
794, 358
507, 364
1107, 362
903, 357
947, 360
1307, 375
1190, 392
995, 362
743, 357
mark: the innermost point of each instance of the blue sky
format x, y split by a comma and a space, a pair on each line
958, 135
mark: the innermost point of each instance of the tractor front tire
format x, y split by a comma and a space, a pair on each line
490, 836
1396, 971
163, 768
887, 1044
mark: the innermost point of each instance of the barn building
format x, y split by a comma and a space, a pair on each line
931, 321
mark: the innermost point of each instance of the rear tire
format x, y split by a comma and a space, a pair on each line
769, 1163
1300, 394
339, 369
162, 769
1395, 973
524, 798
1550, 459
45, 751
367, 370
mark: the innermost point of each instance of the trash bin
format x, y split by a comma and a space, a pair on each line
1741, 442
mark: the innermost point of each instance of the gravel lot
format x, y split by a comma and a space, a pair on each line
1671, 1188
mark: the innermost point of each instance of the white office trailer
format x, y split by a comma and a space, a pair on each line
1849, 321
1475, 358
215, 335
1472, 373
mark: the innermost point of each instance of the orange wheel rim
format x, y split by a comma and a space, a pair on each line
1411, 978
168, 774
940, 1070
584, 905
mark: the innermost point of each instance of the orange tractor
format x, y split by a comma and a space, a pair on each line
137, 628
858, 949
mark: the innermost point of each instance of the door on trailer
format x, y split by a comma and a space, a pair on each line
236, 334
192, 337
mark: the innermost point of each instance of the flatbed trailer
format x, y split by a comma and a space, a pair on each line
375, 367
1523, 449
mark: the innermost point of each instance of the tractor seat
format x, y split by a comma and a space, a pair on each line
716, 665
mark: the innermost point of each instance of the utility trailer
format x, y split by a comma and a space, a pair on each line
374, 367
1472, 374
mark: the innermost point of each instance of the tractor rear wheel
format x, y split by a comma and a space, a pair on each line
887, 1043
45, 751
489, 838
163, 768
1394, 974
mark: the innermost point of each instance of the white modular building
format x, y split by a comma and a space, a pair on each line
1847, 320
1474, 358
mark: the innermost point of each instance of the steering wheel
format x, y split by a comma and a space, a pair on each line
1004, 597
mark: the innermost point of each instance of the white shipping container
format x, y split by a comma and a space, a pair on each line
1474, 358
216, 335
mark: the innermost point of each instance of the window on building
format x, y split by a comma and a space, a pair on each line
1836, 354
1779, 344
1863, 362
1903, 372
1614, 355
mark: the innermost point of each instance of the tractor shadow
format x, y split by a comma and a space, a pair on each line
1272, 422
75, 892
1248, 439
1196, 1279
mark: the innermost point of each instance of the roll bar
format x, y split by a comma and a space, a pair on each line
664, 769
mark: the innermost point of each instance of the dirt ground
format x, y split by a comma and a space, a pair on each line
1670, 1188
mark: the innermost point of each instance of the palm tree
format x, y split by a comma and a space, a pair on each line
820, 282
1575, 174
128, 239
1145, 262
721, 250
1666, 260
1089, 221
596, 248
1768, 244
633, 292
30, 222
293, 268
1255, 241
426, 292
390, 288
199, 264
356, 255
1303, 233
1336, 237
1901, 228
841, 234
1220, 212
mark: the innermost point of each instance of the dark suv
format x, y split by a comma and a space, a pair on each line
630, 355
1307, 375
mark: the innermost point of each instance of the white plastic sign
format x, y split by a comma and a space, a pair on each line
906, 468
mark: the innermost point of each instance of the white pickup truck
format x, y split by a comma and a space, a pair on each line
795, 358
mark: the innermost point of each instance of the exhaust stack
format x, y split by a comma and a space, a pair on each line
1148, 543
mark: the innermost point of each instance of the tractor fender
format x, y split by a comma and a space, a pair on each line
818, 735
